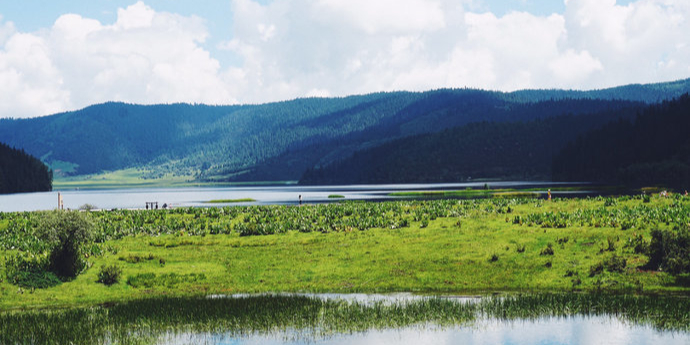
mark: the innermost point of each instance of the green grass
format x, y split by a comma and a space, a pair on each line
135, 178
470, 193
145, 321
229, 201
336, 196
438, 246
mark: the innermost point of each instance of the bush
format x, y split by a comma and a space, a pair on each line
548, 250
615, 264
596, 269
638, 244
66, 232
29, 271
109, 275
670, 251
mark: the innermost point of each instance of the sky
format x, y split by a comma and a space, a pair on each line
60, 56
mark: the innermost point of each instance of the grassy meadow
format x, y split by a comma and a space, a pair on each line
428, 247
138, 178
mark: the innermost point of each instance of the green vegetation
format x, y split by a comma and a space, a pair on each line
148, 321
282, 140
229, 201
139, 178
336, 196
472, 193
436, 246
110, 274
58, 251
22, 173
652, 148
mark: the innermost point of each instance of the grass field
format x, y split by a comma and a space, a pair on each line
134, 178
230, 201
435, 247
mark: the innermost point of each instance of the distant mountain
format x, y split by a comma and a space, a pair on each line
20, 172
653, 148
280, 141
506, 150
647, 93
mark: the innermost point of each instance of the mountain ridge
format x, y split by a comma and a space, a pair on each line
245, 142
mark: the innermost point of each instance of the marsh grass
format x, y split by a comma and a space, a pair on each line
433, 246
229, 201
146, 321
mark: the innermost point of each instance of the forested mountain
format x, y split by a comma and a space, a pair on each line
508, 150
653, 148
279, 141
20, 172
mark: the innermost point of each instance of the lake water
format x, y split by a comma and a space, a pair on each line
577, 330
264, 195
400, 319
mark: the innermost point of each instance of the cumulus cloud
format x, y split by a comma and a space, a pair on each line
144, 57
299, 48
345, 47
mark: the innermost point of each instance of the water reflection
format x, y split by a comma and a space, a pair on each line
264, 195
355, 319
546, 331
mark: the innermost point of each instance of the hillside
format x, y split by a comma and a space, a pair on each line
280, 141
20, 172
653, 148
508, 150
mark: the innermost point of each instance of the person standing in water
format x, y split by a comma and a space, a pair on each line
300, 199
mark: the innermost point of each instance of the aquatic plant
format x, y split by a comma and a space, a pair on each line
147, 321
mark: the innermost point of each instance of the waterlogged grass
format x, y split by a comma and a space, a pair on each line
148, 321
229, 201
471, 193
138, 178
437, 246
336, 196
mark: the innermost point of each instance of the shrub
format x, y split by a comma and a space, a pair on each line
638, 244
88, 207
610, 244
646, 198
596, 269
615, 263
66, 232
610, 202
29, 271
548, 250
109, 275
670, 251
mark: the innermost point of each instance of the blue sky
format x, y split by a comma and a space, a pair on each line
65, 55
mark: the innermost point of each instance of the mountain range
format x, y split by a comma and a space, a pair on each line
492, 134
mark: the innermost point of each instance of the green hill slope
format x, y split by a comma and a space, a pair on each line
20, 172
280, 141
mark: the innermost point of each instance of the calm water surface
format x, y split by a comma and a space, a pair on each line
579, 330
575, 330
264, 195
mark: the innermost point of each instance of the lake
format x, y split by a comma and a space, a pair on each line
361, 319
264, 195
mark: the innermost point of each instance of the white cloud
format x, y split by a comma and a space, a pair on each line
296, 48
144, 57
